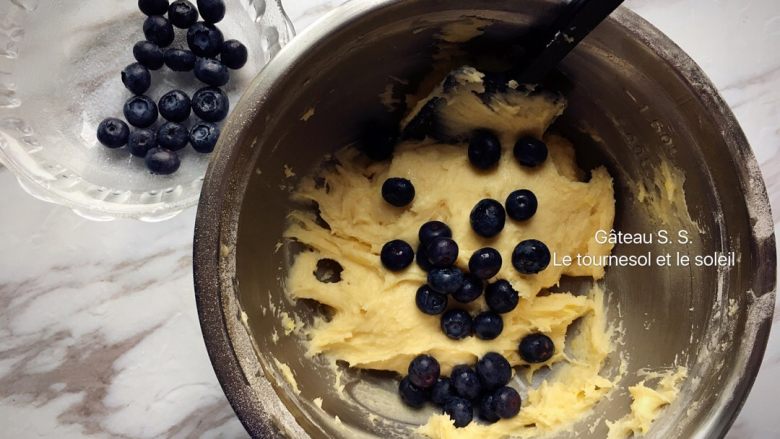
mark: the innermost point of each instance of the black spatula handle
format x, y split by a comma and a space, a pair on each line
579, 18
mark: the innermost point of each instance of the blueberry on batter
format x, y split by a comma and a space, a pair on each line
445, 280
507, 402
531, 256
466, 382
536, 348
501, 297
470, 290
488, 218
398, 191
487, 408
442, 252
424, 370
456, 324
442, 391
488, 325
460, 411
493, 370
434, 229
422, 259
485, 263
484, 149
521, 205
412, 395
530, 152
430, 302
396, 255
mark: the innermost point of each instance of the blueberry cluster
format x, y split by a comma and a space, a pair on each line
484, 388
437, 254
209, 57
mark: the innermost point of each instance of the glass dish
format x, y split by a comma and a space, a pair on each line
60, 64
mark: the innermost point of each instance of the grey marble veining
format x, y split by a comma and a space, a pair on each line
99, 335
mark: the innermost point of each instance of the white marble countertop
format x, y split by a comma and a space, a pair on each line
99, 335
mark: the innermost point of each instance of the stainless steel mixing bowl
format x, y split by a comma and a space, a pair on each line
636, 101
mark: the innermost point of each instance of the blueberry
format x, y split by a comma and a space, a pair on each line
493, 370
153, 7
204, 136
140, 111
211, 71
148, 54
113, 132
422, 258
470, 290
442, 391
233, 54
432, 230
501, 297
398, 191
456, 324
162, 161
460, 411
397, 255
412, 395
530, 151
141, 141
172, 136
136, 78
377, 139
212, 10
204, 39
210, 104
484, 149
531, 256
445, 280
521, 205
466, 382
426, 122
507, 402
488, 218
182, 14
488, 325
442, 252
179, 60
487, 408
430, 302
485, 263
424, 370
175, 106
536, 348
158, 30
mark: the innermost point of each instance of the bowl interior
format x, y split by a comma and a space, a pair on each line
636, 104
60, 76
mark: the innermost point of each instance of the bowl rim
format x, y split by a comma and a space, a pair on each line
220, 202
99, 210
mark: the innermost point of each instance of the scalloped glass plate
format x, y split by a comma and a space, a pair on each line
60, 64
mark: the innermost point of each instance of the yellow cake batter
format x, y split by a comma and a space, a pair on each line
375, 323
